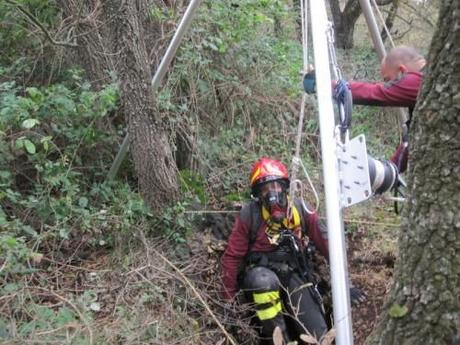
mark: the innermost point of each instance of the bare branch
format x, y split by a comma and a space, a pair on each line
420, 15
187, 282
38, 24
383, 2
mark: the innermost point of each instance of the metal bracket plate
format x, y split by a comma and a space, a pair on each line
355, 185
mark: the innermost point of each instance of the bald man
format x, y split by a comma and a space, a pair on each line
402, 73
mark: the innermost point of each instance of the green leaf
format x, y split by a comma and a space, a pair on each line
45, 313
64, 233
35, 94
11, 242
3, 220
64, 316
45, 141
29, 123
5, 174
19, 144
83, 202
30, 147
4, 333
27, 328
29, 230
10, 288
397, 311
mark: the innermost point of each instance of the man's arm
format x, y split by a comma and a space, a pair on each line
396, 93
317, 231
233, 257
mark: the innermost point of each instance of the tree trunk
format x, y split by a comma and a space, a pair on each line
113, 38
149, 145
389, 21
344, 21
94, 40
424, 305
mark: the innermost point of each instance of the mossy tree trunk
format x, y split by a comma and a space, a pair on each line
424, 305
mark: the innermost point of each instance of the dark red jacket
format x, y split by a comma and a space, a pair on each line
238, 247
401, 92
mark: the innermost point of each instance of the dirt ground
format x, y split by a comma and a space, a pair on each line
372, 271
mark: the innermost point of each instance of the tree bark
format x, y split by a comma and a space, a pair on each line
94, 40
344, 21
424, 305
113, 37
389, 21
150, 147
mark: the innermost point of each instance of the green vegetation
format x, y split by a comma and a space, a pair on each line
74, 264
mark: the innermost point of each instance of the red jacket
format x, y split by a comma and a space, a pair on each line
400, 92
238, 247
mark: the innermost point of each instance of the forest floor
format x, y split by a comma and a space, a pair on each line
157, 293
372, 233
372, 245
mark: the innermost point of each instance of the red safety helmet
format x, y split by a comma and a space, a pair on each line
265, 170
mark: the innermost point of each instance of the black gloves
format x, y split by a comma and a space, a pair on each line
357, 296
309, 82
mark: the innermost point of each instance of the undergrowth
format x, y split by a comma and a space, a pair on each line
80, 257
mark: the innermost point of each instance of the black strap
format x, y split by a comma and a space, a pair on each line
345, 117
298, 205
251, 214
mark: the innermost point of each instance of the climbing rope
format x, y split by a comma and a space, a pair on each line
296, 186
300, 187
304, 20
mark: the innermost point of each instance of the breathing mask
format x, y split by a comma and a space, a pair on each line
274, 199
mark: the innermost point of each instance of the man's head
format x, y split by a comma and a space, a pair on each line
400, 60
269, 184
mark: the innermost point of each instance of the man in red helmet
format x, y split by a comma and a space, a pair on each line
268, 246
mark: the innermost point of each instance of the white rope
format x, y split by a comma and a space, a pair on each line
299, 183
332, 55
296, 186
382, 20
295, 165
304, 16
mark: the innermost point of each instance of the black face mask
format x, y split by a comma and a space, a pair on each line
276, 204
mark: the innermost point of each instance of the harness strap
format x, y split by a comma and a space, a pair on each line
251, 215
